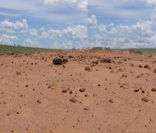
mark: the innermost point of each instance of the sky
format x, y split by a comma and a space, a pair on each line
78, 23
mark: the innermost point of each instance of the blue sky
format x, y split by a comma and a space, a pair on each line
78, 23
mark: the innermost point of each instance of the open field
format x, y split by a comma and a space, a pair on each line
94, 91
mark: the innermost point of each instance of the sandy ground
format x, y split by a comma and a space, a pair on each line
39, 97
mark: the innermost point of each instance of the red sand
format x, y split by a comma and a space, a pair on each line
39, 97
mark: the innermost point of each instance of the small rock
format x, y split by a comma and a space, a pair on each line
87, 68
38, 101
136, 90
140, 66
124, 76
86, 108
85, 95
147, 66
64, 91
57, 61
7, 114
95, 62
64, 66
50, 87
111, 100
145, 99
18, 73
70, 56
82, 90
65, 60
71, 92
99, 85
26, 85
12, 131
105, 60
73, 100
153, 89
143, 91
18, 113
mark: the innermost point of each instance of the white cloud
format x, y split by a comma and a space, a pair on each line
140, 34
153, 40
9, 26
52, 1
78, 31
82, 28
7, 39
81, 4
33, 32
92, 20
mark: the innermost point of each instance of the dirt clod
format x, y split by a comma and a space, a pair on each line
87, 68
57, 61
105, 60
64, 91
82, 90
146, 66
73, 100
153, 89
145, 99
26, 86
38, 101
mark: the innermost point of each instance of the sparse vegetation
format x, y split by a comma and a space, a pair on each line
97, 48
147, 50
19, 49
143, 51
101, 48
135, 51
140, 50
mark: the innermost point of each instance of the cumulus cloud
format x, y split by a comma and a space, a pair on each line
83, 5
9, 26
33, 32
73, 32
8, 39
140, 34
133, 24
92, 21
